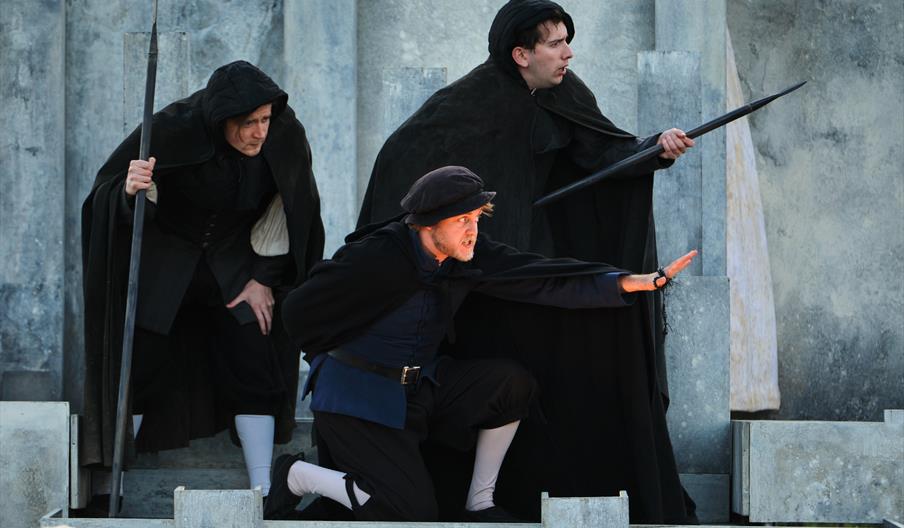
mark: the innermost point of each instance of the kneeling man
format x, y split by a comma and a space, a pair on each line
371, 320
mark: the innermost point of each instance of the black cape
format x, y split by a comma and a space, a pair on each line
604, 394
186, 133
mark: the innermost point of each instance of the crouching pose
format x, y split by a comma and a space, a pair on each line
232, 222
371, 320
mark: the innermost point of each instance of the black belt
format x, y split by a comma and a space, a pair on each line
404, 375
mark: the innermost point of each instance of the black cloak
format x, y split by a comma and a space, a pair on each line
378, 264
186, 133
601, 372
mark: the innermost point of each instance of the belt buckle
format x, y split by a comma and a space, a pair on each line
415, 370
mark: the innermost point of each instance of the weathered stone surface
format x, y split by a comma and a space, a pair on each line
34, 455
218, 508
608, 36
669, 93
710, 493
404, 90
584, 512
32, 182
824, 472
754, 361
209, 463
320, 55
829, 163
56, 520
28, 385
702, 29
697, 358
172, 79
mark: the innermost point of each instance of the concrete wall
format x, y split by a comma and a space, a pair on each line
32, 188
833, 196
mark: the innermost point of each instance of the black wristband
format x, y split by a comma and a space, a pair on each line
660, 274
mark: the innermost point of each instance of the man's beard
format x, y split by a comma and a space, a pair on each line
455, 250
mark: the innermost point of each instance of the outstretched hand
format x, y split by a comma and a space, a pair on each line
652, 281
676, 267
260, 299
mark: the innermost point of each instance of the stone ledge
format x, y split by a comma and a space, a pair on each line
819, 472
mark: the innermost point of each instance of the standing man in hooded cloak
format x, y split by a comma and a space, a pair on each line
529, 125
232, 223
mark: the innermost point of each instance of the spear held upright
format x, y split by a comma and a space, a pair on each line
128, 333
656, 150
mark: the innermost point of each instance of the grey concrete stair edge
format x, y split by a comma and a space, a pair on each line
54, 520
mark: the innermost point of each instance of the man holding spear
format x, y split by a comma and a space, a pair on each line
232, 222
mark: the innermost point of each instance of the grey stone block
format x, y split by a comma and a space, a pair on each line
669, 95
584, 512
710, 493
32, 180
697, 356
218, 508
824, 472
27, 385
34, 455
148, 493
700, 27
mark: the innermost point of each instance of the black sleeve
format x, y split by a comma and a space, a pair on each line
582, 291
593, 151
125, 207
270, 271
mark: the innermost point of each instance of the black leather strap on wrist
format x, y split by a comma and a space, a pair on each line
660, 274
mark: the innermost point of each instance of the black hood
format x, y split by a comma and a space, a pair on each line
238, 88
514, 17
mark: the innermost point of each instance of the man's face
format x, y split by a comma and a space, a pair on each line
454, 237
546, 64
247, 134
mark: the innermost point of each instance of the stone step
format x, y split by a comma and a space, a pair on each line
213, 463
219, 452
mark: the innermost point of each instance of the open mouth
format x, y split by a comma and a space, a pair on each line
468, 243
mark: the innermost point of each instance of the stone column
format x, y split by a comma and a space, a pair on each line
669, 92
320, 54
700, 26
32, 191
682, 85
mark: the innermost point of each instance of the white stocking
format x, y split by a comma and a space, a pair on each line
492, 444
306, 478
256, 434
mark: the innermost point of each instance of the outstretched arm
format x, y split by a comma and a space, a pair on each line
654, 281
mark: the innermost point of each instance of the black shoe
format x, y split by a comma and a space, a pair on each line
489, 515
281, 502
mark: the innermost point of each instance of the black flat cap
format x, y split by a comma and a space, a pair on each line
443, 193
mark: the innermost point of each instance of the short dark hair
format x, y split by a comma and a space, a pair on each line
528, 38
